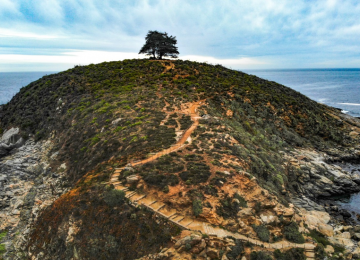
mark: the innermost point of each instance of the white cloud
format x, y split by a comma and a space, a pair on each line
23, 34
245, 62
259, 29
71, 58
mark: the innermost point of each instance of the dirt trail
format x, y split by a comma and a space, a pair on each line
167, 68
188, 222
191, 223
179, 144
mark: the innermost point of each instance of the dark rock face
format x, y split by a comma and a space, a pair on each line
9, 141
318, 178
345, 213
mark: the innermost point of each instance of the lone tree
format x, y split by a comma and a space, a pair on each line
159, 45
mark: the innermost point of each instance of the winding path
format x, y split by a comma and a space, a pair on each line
188, 222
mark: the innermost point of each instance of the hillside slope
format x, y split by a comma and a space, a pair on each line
105, 116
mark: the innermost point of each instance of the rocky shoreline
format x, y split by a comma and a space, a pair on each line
27, 185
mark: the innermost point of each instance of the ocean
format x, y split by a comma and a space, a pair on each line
338, 88
11, 82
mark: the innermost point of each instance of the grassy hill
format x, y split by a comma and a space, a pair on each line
104, 116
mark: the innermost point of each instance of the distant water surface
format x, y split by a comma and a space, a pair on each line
334, 87
11, 82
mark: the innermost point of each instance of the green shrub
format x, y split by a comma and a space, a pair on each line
262, 232
243, 202
197, 172
291, 254
292, 233
236, 250
318, 237
197, 207
229, 207
2, 249
320, 251
260, 255
114, 197
166, 189
2, 246
257, 207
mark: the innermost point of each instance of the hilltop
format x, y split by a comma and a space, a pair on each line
256, 160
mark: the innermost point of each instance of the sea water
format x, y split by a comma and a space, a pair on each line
338, 88
334, 87
11, 82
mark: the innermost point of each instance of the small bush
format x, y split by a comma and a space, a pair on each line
262, 232
259, 256
291, 254
229, 207
166, 189
320, 251
114, 197
197, 207
236, 250
2, 246
292, 233
257, 207
320, 238
243, 202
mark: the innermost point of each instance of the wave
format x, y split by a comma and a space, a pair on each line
349, 104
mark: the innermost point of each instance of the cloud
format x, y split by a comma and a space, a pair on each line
23, 34
268, 31
237, 63
71, 58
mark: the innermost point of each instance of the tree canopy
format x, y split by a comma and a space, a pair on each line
159, 45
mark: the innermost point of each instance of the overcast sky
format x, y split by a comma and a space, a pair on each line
54, 35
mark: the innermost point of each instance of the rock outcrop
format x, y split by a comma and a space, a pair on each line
10, 140
27, 185
318, 177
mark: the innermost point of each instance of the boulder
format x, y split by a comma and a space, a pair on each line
314, 218
230, 224
325, 229
356, 236
268, 218
116, 121
288, 212
245, 212
129, 168
341, 241
212, 253
10, 136
346, 235
195, 239
6, 148
182, 241
132, 179
329, 249
198, 247
345, 213
356, 253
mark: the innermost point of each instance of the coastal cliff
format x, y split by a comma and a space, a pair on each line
257, 159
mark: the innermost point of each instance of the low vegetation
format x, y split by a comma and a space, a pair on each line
291, 233
105, 116
262, 232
